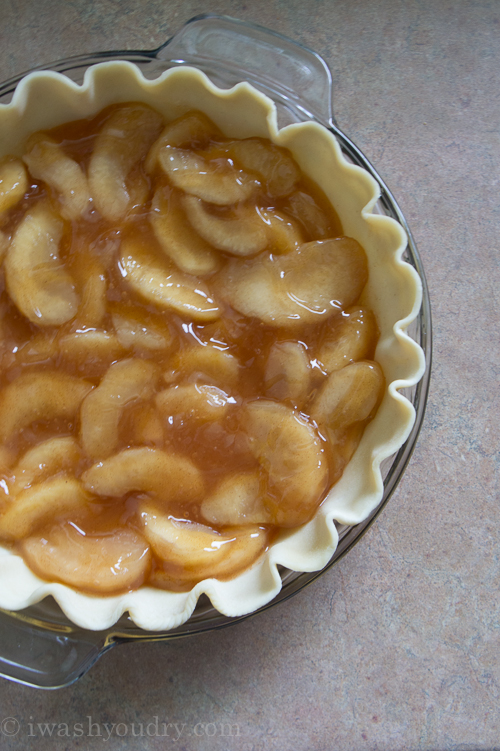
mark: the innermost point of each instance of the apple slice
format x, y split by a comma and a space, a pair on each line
190, 252
288, 372
45, 395
194, 402
155, 282
124, 140
273, 165
126, 381
194, 129
13, 183
215, 181
242, 232
289, 450
348, 395
44, 460
350, 338
237, 500
169, 476
36, 280
47, 161
103, 564
41, 503
193, 552
305, 286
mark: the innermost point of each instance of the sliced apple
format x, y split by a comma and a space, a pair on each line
302, 287
90, 351
194, 129
283, 233
104, 564
273, 165
41, 503
207, 362
237, 500
316, 222
349, 395
4, 244
190, 252
242, 232
126, 381
146, 427
91, 274
169, 476
36, 280
155, 282
288, 372
48, 162
40, 349
45, 460
137, 332
13, 183
46, 395
124, 140
215, 181
193, 552
194, 402
292, 454
350, 338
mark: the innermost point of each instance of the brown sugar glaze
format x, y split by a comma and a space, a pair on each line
89, 247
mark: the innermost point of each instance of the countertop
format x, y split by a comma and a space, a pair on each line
398, 646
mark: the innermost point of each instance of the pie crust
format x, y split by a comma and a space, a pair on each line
44, 100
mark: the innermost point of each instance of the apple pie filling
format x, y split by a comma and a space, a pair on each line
185, 365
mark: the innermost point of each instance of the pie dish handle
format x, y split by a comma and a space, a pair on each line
47, 655
230, 51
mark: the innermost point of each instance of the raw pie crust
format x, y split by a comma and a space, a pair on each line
45, 100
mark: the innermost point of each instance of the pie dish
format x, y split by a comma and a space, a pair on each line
393, 292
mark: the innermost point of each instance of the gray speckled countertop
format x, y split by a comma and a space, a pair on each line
398, 646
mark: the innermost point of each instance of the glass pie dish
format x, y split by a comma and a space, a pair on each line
41, 646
